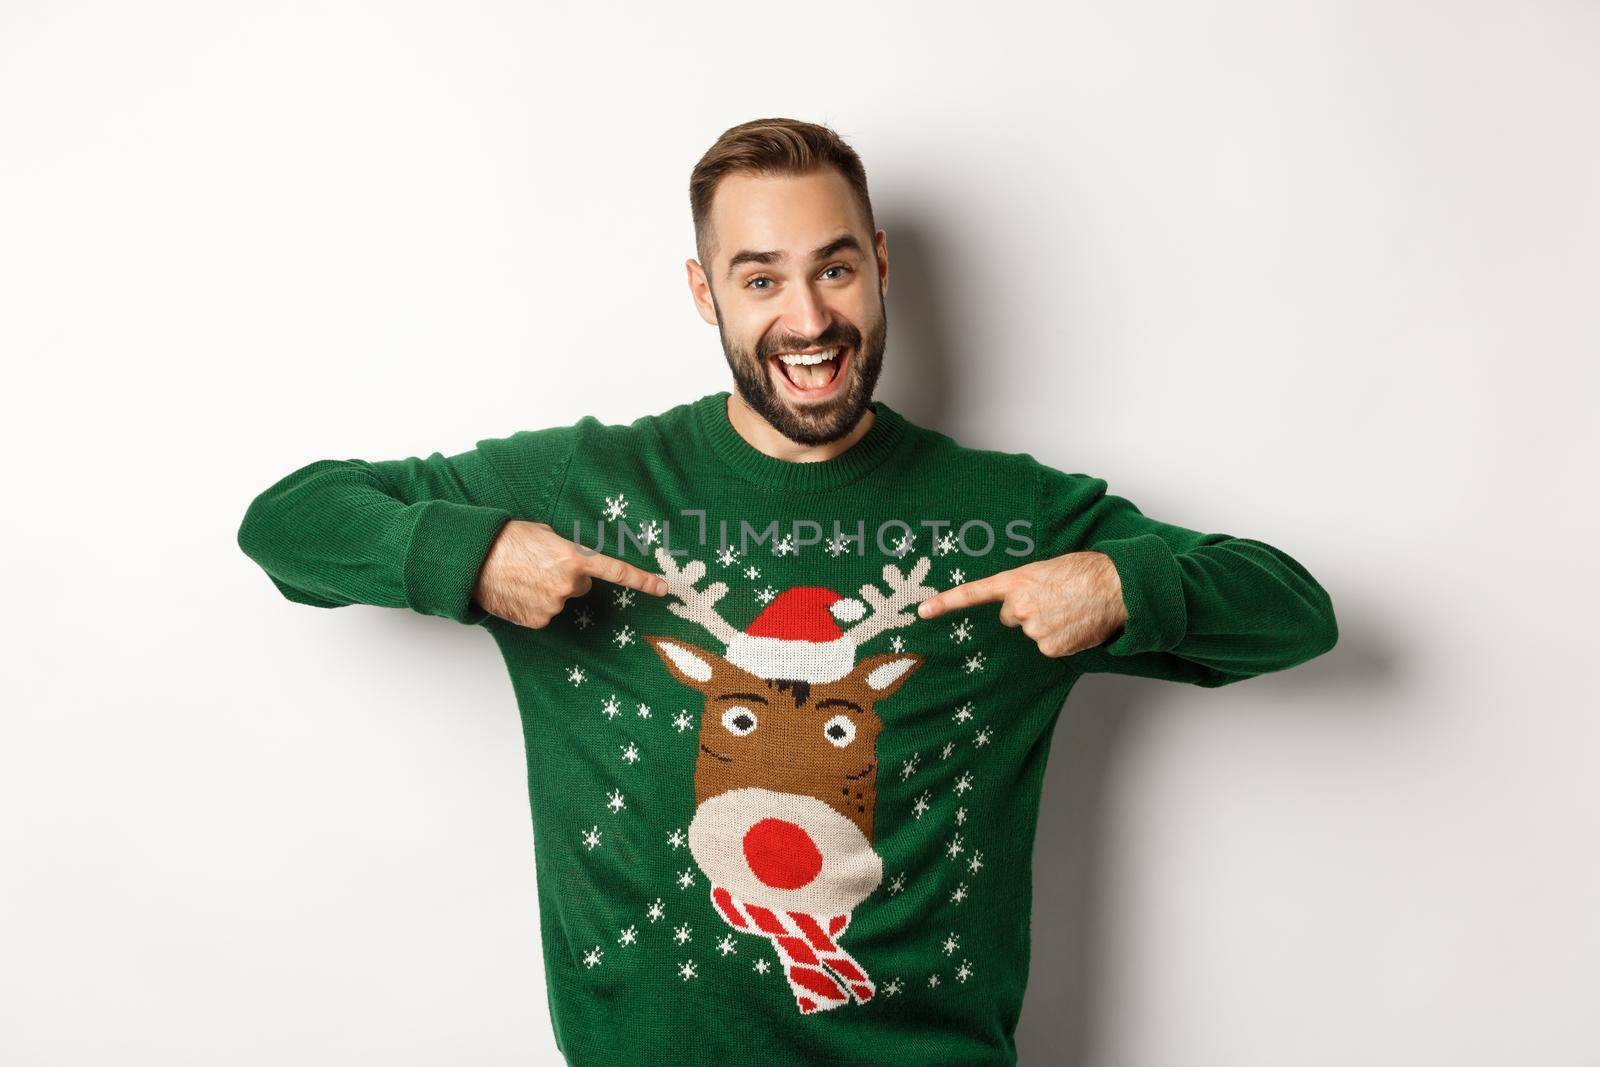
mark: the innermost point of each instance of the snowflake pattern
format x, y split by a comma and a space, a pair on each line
956, 848
616, 508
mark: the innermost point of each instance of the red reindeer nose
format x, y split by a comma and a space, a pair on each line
781, 854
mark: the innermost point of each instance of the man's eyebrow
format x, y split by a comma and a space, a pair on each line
833, 247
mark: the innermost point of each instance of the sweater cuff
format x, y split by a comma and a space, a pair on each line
1152, 593
447, 548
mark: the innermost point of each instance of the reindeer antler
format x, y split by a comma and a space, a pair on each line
889, 612
697, 605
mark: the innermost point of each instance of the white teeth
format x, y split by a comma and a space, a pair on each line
809, 359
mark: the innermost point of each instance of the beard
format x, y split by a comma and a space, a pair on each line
819, 423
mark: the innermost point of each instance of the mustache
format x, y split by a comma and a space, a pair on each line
834, 336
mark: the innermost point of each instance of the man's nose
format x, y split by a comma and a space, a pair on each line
806, 315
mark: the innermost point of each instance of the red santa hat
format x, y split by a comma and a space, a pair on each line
798, 636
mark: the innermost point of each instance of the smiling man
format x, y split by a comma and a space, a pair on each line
785, 757
803, 325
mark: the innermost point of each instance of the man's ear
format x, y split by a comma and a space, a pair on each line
880, 244
700, 289
881, 675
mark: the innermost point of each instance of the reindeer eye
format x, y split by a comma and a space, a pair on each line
839, 730
739, 720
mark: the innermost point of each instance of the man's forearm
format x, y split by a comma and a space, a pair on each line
338, 532
1214, 612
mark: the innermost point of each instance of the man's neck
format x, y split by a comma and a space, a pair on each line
760, 435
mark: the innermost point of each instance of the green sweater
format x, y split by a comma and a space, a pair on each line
777, 817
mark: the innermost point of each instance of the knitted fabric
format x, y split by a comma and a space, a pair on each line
779, 818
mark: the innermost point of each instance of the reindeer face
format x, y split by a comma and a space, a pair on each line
786, 778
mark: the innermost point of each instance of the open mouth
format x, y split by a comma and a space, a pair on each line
812, 373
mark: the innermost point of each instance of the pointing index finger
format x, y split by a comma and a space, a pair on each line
980, 591
611, 569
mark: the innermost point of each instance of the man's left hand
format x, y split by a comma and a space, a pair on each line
1065, 604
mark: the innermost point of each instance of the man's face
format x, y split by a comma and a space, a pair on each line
793, 271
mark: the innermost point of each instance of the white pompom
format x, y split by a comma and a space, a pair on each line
848, 609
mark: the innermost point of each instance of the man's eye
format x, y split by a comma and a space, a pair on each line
752, 282
838, 266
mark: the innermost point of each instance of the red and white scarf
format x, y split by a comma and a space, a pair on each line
804, 943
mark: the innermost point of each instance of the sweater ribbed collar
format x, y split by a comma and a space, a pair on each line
887, 430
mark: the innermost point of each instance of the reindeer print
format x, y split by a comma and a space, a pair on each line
785, 781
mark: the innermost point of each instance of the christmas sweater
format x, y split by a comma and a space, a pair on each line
777, 817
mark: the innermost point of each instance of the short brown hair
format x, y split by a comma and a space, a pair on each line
772, 146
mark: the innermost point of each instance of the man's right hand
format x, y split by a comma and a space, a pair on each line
531, 571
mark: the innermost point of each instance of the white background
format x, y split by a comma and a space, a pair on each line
1321, 275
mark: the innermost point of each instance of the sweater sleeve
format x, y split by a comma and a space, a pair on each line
1203, 608
402, 533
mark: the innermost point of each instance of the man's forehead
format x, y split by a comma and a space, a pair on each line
793, 214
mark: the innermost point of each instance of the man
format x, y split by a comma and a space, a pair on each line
785, 756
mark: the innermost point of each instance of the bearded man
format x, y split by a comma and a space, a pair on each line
866, 629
